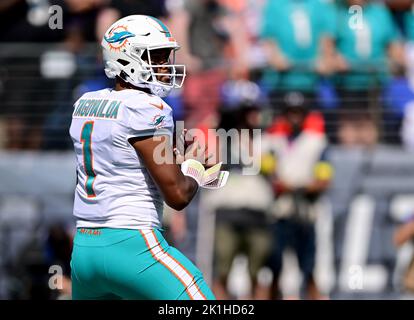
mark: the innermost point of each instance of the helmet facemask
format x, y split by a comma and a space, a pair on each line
157, 69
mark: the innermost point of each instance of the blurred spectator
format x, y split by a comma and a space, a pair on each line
242, 225
26, 20
45, 75
69, 67
30, 272
297, 141
399, 103
31, 267
155, 8
205, 32
82, 12
298, 43
246, 55
367, 48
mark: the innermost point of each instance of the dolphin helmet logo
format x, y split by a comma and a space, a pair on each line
117, 37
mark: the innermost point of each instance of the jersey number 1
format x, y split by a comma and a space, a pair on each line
86, 139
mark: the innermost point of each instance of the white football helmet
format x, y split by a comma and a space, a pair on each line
127, 47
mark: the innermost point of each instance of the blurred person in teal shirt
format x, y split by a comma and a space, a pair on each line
297, 38
368, 47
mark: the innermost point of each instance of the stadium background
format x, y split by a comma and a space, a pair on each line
43, 70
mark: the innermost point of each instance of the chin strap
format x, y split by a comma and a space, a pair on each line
160, 91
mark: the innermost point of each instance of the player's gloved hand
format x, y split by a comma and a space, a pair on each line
219, 182
212, 178
192, 164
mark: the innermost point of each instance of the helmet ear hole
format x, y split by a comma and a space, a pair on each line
123, 62
132, 70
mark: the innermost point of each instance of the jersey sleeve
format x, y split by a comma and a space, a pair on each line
148, 118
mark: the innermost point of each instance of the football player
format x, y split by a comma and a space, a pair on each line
119, 250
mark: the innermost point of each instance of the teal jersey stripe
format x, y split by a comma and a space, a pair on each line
165, 249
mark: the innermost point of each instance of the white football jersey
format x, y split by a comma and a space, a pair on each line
114, 189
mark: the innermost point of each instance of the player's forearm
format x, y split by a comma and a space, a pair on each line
181, 193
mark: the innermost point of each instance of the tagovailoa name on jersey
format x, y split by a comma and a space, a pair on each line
99, 108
